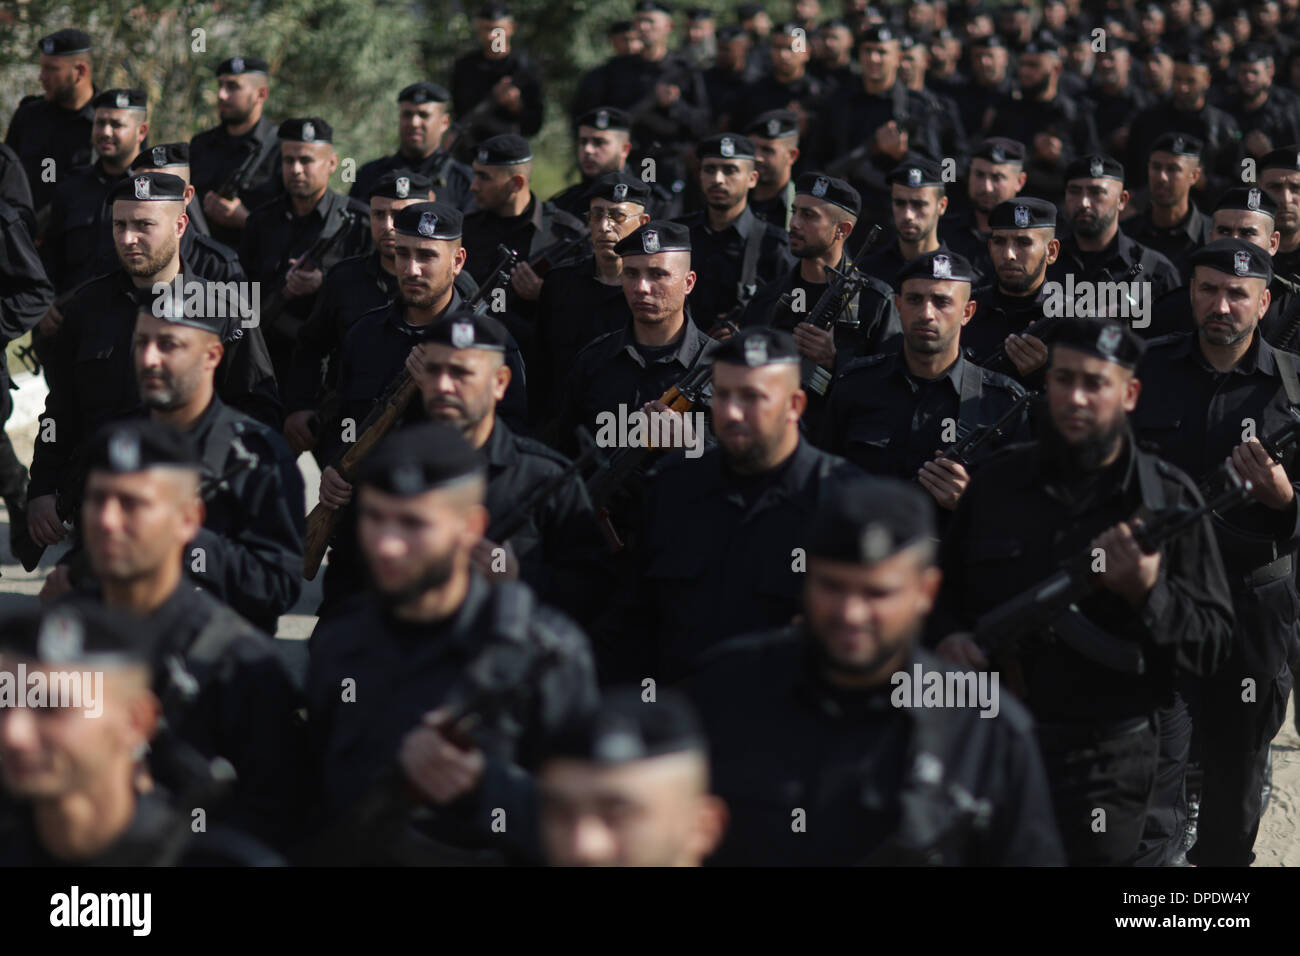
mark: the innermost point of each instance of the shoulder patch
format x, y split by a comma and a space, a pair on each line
862, 363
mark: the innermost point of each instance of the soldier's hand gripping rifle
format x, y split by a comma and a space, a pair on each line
524, 509
272, 317
963, 452
242, 175
1053, 602
385, 414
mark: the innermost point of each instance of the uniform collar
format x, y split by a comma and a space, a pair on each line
322, 210
952, 376
1191, 224
499, 449
690, 343
396, 310
741, 224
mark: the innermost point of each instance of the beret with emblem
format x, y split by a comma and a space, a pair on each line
624, 728
423, 92
1043, 42
730, 31
999, 149
652, 6
210, 310
64, 43
421, 458
1234, 257
1101, 339
239, 65
121, 100
988, 42
504, 149
429, 220
943, 263
696, 14
137, 444
725, 146
1253, 53
606, 117
915, 172
1023, 212
1248, 199
619, 26
867, 520
1094, 166
162, 156
620, 187
1179, 144
494, 10
877, 33
402, 184
1192, 56
463, 329
747, 11
149, 187
829, 189
658, 235
788, 29
76, 630
307, 129
758, 347
774, 124
1288, 157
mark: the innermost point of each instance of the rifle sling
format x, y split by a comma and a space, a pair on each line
745, 288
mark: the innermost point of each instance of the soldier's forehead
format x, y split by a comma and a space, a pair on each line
146, 208
927, 286
293, 146
656, 260
112, 112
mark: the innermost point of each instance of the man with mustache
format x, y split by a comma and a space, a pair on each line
996, 174
839, 753
1207, 389
1171, 224
1080, 486
776, 150
1279, 176
918, 200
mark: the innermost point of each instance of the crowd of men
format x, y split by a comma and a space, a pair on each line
702, 512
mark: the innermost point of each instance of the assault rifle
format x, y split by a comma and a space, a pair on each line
240, 178
272, 315
964, 451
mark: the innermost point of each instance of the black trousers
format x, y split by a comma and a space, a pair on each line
13, 476
1102, 780
1167, 816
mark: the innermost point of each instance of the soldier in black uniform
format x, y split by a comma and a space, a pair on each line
718, 550
850, 771
242, 155
996, 174
775, 135
918, 201
1079, 487
1171, 224
787, 85
825, 214
726, 82
422, 120
1204, 388
1022, 247
223, 687
174, 158
460, 368
1188, 111
1279, 176
1116, 96
581, 302
78, 242
733, 252
1266, 114
892, 414
57, 126
497, 88
992, 82
413, 646
14, 188
61, 764
1248, 213
651, 760
278, 233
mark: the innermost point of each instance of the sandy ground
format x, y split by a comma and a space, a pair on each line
1277, 844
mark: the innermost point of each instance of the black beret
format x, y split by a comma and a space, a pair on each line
605, 117
238, 65
494, 11
192, 301
1288, 157
725, 146
999, 149
1179, 144
1151, 8
943, 33
757, 347
866, 520
652, 6
729, 32
1114, 44
789, 29
1248, 199
421, 458
915, 172
620, 187
624, 728
504, 149
423, 92
747, 10
1043, 42
774, 124
1101, 338
402, 184
1094, 166
136, 444
149, 187
990, 41
698, 13
162, 156
1191, 55
429, 220
1253, 53
116, 99
877, 33
309, 129
465, 329
76, 630
829, 189
1148, 50
1234, 257
906, 41
941, 264
658, 235
64, 42
619, 26
1023, 212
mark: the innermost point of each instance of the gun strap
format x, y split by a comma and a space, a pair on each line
512, 611
746, 287
901, 109
1153, 491
200, 659
1290, 382
972, 389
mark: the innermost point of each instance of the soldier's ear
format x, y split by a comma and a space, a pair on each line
1274, 243
1053, 250
501, 377
1021, 180
645, 217
794, 155
1123, 199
